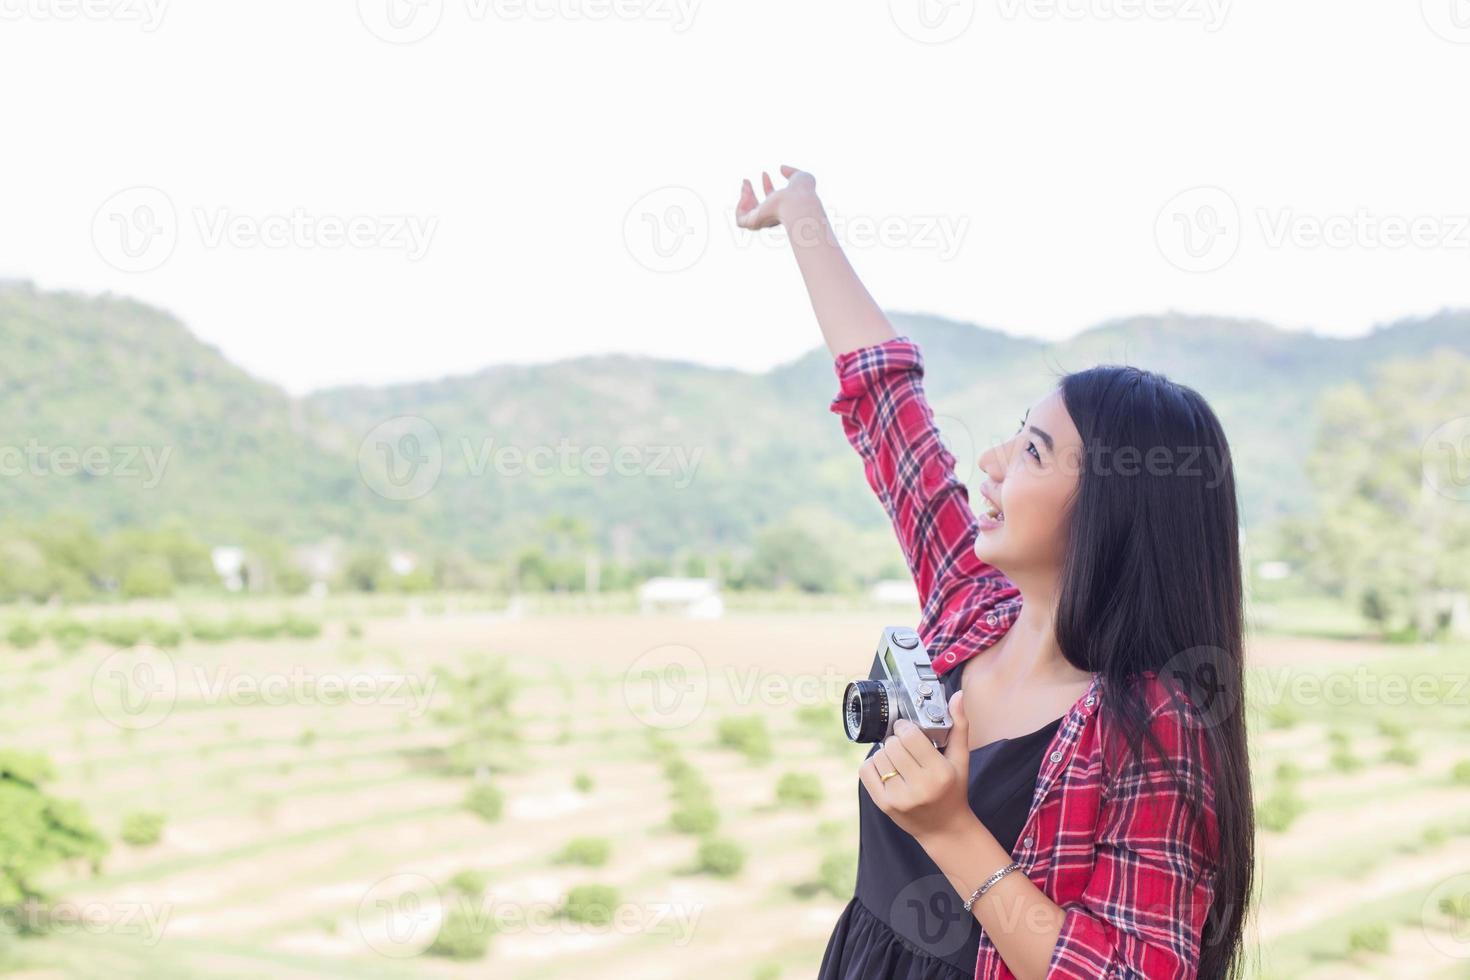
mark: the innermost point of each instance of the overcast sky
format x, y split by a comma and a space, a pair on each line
379, 190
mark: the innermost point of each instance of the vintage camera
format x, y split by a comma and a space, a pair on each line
902, 684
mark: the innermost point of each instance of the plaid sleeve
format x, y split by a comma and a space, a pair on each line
887, 418
1143, 911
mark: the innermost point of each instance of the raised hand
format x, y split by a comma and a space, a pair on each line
777, 207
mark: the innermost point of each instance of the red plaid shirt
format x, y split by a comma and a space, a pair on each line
1113, 844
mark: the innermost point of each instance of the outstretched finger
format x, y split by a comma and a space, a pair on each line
766, 179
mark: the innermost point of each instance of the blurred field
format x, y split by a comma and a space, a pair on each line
298, 833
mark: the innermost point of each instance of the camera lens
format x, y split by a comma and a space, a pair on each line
865, 711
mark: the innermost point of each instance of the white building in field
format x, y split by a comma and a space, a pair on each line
229, 565
894, 592
697, 598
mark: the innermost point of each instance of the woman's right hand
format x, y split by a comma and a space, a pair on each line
779, 206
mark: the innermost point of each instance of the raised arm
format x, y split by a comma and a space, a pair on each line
846, 313
887, 418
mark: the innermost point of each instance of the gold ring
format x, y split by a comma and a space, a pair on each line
886, 776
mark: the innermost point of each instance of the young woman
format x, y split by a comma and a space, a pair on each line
1091, 813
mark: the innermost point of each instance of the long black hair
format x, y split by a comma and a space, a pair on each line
1151, 584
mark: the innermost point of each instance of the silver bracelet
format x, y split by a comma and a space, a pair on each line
990, 882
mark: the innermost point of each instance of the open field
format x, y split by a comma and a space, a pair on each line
312, 839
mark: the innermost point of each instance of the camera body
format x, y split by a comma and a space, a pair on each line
901, 684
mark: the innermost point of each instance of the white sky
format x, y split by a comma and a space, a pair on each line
1047, 138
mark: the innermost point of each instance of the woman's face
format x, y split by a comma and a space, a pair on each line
1027, 492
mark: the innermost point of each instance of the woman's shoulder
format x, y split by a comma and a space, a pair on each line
1154, 715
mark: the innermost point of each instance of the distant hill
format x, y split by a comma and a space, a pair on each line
710, 455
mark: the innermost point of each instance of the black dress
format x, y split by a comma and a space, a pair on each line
905, 921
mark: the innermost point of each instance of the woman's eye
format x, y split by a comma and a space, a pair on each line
1031, 448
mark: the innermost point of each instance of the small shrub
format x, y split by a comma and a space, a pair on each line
583, 782
817, 715
767, 971
462, 935
120, 633
695, 818
163, 635
207, 631
747, 735
22, 635
723, 858
1288, 771
590, 851
300, 627
485, 801
677, 769
591, 904
69, 634
1460, 774
1401, 753
471, 882
1372, 938
1282, 715
801, 789
142, 828
838, 873
1279, 810
1392, 727
1344, 761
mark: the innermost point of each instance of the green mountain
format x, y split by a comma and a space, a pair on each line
113, 411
